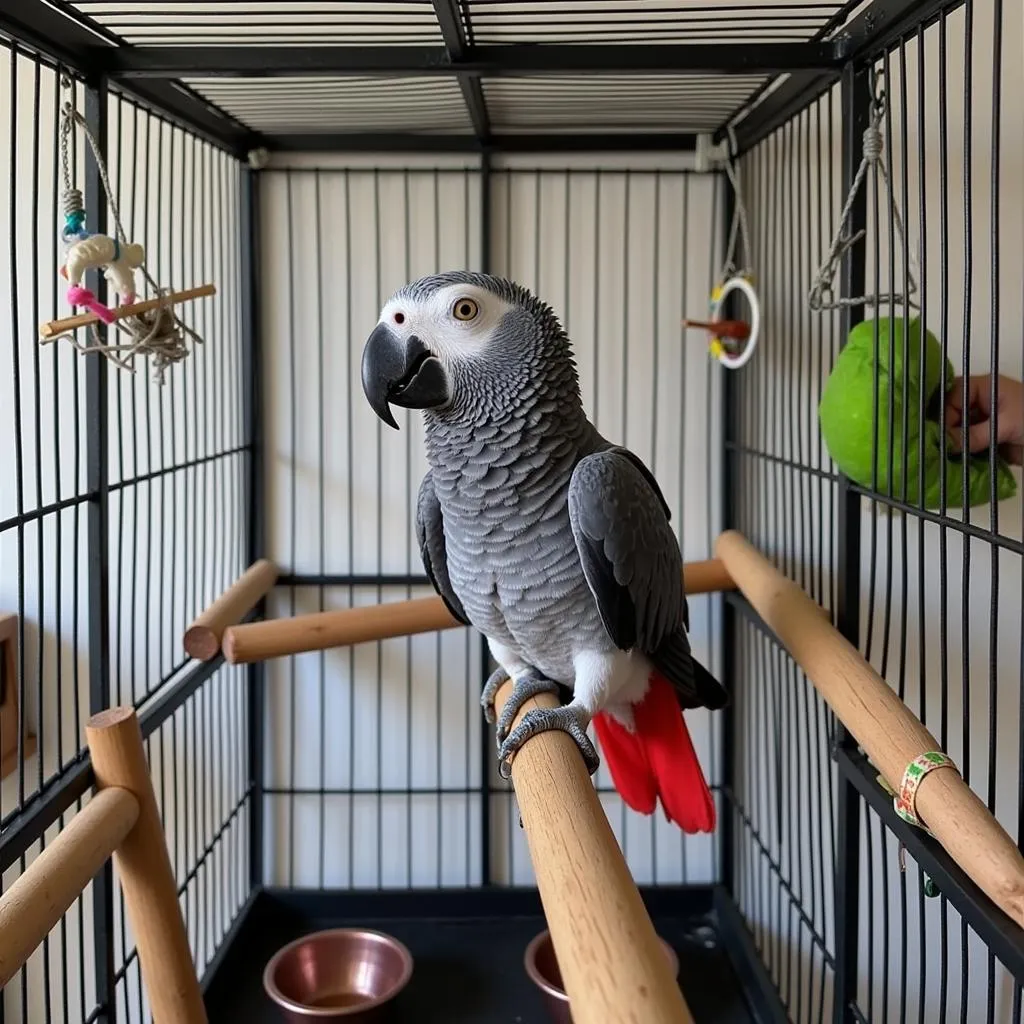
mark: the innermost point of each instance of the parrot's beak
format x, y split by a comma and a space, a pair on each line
404, 373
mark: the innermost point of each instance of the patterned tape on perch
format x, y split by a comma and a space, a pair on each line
905, 801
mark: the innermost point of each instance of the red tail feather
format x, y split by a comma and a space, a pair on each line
658, 760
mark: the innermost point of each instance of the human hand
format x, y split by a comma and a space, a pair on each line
975, 395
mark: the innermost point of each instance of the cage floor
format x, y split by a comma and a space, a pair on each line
468, 951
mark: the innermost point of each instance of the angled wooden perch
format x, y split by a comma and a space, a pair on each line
202, 639
259, 641
41, 895
612, 965
121, 820
54, 328
891, 735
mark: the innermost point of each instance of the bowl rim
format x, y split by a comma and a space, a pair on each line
275, 993
530, 963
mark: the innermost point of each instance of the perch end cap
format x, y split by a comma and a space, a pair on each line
110, 718
201, 642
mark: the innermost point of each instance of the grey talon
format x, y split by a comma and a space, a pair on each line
528, 685
494, 683
568, 719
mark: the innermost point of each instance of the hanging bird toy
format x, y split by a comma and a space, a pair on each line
733, 342
151, 325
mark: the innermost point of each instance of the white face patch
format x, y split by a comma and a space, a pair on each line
455, 322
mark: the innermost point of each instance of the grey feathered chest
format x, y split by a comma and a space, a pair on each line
502, 484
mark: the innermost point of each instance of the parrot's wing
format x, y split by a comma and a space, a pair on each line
430, 537
633, 564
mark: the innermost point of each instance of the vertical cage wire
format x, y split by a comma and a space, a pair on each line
177, 515
167, 475
942, 577
938, 576
204, 799
176, 452
783, 799
43, 566
393, 737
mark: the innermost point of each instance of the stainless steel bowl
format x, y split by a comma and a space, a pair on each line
342, 974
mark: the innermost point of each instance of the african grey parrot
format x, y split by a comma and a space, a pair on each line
550, 540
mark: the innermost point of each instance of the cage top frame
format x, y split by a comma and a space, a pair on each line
779, 55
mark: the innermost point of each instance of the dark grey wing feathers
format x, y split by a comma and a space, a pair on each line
632, 563
430, 537
649, 477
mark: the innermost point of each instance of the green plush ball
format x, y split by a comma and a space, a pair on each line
848, 410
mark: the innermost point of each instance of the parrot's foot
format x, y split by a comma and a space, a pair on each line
526, 685
570, 718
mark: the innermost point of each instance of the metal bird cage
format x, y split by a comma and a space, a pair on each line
308, 158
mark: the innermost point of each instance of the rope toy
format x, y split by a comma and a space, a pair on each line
732, 278
822, 296
158, 332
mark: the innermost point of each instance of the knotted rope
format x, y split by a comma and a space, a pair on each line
159, 333
738, 226
822, 296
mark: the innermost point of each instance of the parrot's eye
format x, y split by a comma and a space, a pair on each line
465, 309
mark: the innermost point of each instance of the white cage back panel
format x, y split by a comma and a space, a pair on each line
374, 754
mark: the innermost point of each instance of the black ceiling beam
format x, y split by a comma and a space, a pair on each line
877, 27
456, 45
57, 32
408, 142
47, 30
489, 61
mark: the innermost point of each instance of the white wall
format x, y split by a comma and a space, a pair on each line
404, 714
949, 650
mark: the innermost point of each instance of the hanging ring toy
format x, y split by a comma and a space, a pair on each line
733, 276
733, 330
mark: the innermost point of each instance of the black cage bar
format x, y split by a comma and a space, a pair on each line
306, 158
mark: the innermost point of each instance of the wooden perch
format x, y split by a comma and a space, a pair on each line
259, 641
613, 968
882, 724
202, 639
144, 868
71, 323
40, 897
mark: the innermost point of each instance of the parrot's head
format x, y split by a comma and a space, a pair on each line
454, 341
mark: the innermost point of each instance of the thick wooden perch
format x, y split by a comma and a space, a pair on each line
202, 639
38, 899
144, 867
259, 641
53, 328
883, 725
612, 966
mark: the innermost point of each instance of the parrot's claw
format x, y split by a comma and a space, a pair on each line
495, 681
569, 718
527, 684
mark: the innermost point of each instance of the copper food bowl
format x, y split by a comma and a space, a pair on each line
343, 974
542, 968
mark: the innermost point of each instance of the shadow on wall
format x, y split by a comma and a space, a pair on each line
54, 706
